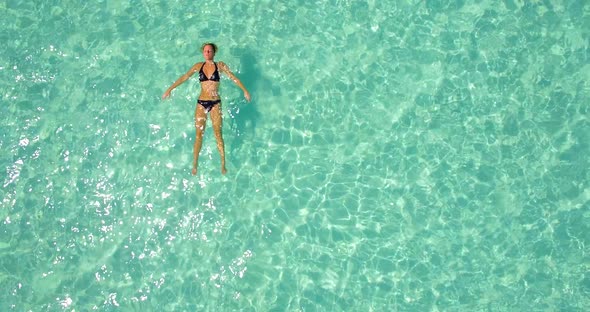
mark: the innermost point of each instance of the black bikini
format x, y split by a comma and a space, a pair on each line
214, 77
208, 104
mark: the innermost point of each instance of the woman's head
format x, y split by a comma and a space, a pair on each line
208, 49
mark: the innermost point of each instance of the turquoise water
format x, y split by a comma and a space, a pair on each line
396, 156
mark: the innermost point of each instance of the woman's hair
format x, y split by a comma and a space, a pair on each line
210, 44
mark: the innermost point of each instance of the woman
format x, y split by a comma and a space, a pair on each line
209, 100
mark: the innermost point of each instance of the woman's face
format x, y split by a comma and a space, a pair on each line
208, 53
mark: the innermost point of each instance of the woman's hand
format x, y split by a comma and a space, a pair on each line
166, 95
247, 95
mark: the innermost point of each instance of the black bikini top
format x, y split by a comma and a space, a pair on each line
214, 76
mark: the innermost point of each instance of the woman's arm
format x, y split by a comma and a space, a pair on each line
224, 68
182, 79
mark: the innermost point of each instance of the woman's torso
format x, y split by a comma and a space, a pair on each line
209, 77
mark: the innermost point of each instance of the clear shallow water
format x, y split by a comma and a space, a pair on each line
412, 156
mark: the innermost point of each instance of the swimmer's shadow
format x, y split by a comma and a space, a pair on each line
245, 116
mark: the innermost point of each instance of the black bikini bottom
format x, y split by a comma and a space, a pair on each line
208, 104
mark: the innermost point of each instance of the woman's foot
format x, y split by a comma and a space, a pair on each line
223, 170
194, 170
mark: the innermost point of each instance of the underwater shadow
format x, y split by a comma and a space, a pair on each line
244, 115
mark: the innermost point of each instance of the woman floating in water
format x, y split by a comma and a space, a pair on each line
209, 100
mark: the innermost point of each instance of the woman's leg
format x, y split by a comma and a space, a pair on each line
200, 122
216, 119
